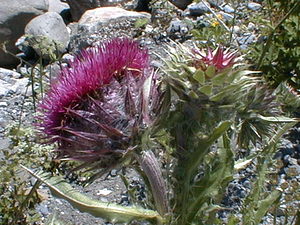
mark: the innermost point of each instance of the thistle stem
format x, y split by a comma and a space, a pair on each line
151, 168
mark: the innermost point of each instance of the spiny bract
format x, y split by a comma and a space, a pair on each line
100, 102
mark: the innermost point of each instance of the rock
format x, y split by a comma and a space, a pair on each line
251, 26
79, 7
48, 32
227, 17
178, 26
57, 6
104, 23
216, 3
292, 170
254, 6
247, 39
228, 9
14, 15
6, 74
104, 192
4, 143
142, 6
198, 9
11, 82
181, 4
105, 14
62, 8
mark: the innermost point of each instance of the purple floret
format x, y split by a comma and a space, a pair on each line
91, 69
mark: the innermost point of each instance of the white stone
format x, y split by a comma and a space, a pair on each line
105, 14
104, 192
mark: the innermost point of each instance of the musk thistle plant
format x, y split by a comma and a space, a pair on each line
109, 106
101, 106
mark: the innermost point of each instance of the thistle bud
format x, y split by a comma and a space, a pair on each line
219, 58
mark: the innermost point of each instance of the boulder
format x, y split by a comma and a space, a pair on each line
62, 8
104, 23
106, 14
57, 6
14, 15
49, 33
181, 4
79, 7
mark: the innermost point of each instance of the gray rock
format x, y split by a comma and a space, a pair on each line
57, 6
178, 26
6, 74
11, 82
216, 3
181, 4
79, 7
4, 143
247, 39
254, 6
102, 24
14, 15
198, 9
106, 14
227, 17
251, 26
228, 9
48, 32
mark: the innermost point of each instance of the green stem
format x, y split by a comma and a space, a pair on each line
151, 168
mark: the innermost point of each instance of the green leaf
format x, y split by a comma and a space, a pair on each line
278, 119
207, 90
240, 74
265, 204
219, 79
110, 211
210, 71
199, 76
141, 22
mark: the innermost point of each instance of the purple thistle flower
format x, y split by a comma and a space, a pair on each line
97, 104
219, 58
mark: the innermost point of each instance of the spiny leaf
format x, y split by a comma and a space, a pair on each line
110, 211
207, 90
199, 76
210, 71
277, 119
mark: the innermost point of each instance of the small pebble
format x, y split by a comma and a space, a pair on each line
228, 9
254, 6
3, 104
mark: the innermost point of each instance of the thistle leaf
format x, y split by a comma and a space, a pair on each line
210, 71
219, 79
207, 90
199, 76
113, 212
265, 204
277, 119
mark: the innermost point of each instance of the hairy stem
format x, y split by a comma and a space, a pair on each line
151, 168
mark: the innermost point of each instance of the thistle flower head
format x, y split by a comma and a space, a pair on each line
219, 58
98, 103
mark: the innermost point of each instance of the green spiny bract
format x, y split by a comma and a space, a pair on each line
219, 101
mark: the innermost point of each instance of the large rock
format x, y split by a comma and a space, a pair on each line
104, 23
14, 15
106, 14
57, 6
49, 33
181, 4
